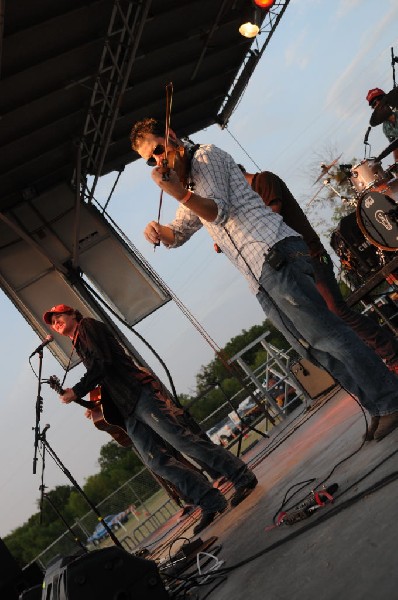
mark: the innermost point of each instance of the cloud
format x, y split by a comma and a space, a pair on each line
354, 80
295, 54
346, 6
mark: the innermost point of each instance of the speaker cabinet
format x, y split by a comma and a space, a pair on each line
10, 574
108, 574
314, 380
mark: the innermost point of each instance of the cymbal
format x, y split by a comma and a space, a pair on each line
326, 168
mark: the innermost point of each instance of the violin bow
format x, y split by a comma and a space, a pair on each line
165, 162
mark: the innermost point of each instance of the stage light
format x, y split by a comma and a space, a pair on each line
251, 25
264, 3
249, 29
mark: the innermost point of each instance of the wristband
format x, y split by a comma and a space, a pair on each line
187, 196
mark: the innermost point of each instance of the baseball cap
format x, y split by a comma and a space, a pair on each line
58, 309
375, 93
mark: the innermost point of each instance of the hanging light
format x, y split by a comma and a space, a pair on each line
250, 28
264, 3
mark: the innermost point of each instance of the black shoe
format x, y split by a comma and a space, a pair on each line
373, 425
387, 424
207, 518
242, 492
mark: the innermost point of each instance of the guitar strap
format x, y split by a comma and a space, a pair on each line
71, 354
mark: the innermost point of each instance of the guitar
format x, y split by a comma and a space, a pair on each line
105, 417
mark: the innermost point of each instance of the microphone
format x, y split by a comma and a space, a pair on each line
49, 338
365, 141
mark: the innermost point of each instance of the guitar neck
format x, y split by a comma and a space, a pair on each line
57, 387
85, 403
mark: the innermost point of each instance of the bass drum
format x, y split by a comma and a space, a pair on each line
377, 217
358, 257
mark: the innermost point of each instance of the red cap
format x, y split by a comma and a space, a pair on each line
58, 309
375, 93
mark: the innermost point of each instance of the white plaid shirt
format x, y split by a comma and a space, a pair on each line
244, 229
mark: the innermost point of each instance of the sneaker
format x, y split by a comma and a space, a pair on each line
369, 435
387, 424
244, 491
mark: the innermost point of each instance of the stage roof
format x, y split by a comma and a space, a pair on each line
75, 75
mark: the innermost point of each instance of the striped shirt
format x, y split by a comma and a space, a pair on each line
244, 229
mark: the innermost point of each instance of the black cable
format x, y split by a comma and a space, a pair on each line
143, 340
392, 477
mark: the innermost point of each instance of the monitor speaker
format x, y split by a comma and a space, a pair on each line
314, 380
108, 574
10, 574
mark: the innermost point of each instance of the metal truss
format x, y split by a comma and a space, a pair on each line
123, 36
268, 26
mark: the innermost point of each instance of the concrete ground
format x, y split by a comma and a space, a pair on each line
345, 550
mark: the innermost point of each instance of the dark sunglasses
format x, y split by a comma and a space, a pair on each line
159, 149
373, 103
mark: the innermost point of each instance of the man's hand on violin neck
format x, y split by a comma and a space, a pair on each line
172, 186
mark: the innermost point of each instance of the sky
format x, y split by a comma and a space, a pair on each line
307, 96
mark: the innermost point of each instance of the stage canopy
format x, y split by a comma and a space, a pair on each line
75, 75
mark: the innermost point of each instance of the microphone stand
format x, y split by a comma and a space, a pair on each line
394, 59
75, 538
48, 498
46, 446
39, 409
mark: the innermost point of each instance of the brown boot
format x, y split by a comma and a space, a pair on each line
387, 424
369, 435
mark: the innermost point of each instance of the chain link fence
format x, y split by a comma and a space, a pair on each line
142, 506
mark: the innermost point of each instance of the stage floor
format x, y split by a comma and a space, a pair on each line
344, 550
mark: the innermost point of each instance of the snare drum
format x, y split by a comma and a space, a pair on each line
377, 216
367, 174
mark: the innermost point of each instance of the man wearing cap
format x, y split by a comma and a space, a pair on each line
135, 394
390, 126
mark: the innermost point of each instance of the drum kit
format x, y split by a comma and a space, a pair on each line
363, 237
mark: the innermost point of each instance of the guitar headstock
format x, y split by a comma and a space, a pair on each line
55, 383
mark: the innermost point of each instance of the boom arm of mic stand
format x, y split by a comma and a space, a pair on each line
58, 513
80, 490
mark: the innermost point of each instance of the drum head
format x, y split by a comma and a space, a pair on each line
377, 216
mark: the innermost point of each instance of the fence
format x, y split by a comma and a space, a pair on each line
141, 499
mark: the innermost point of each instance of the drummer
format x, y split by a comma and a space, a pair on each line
390, 125
275, 194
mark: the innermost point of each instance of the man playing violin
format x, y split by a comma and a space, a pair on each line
274, 259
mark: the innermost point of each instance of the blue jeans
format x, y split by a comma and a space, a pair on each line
381, 340
292, 302
154, 414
